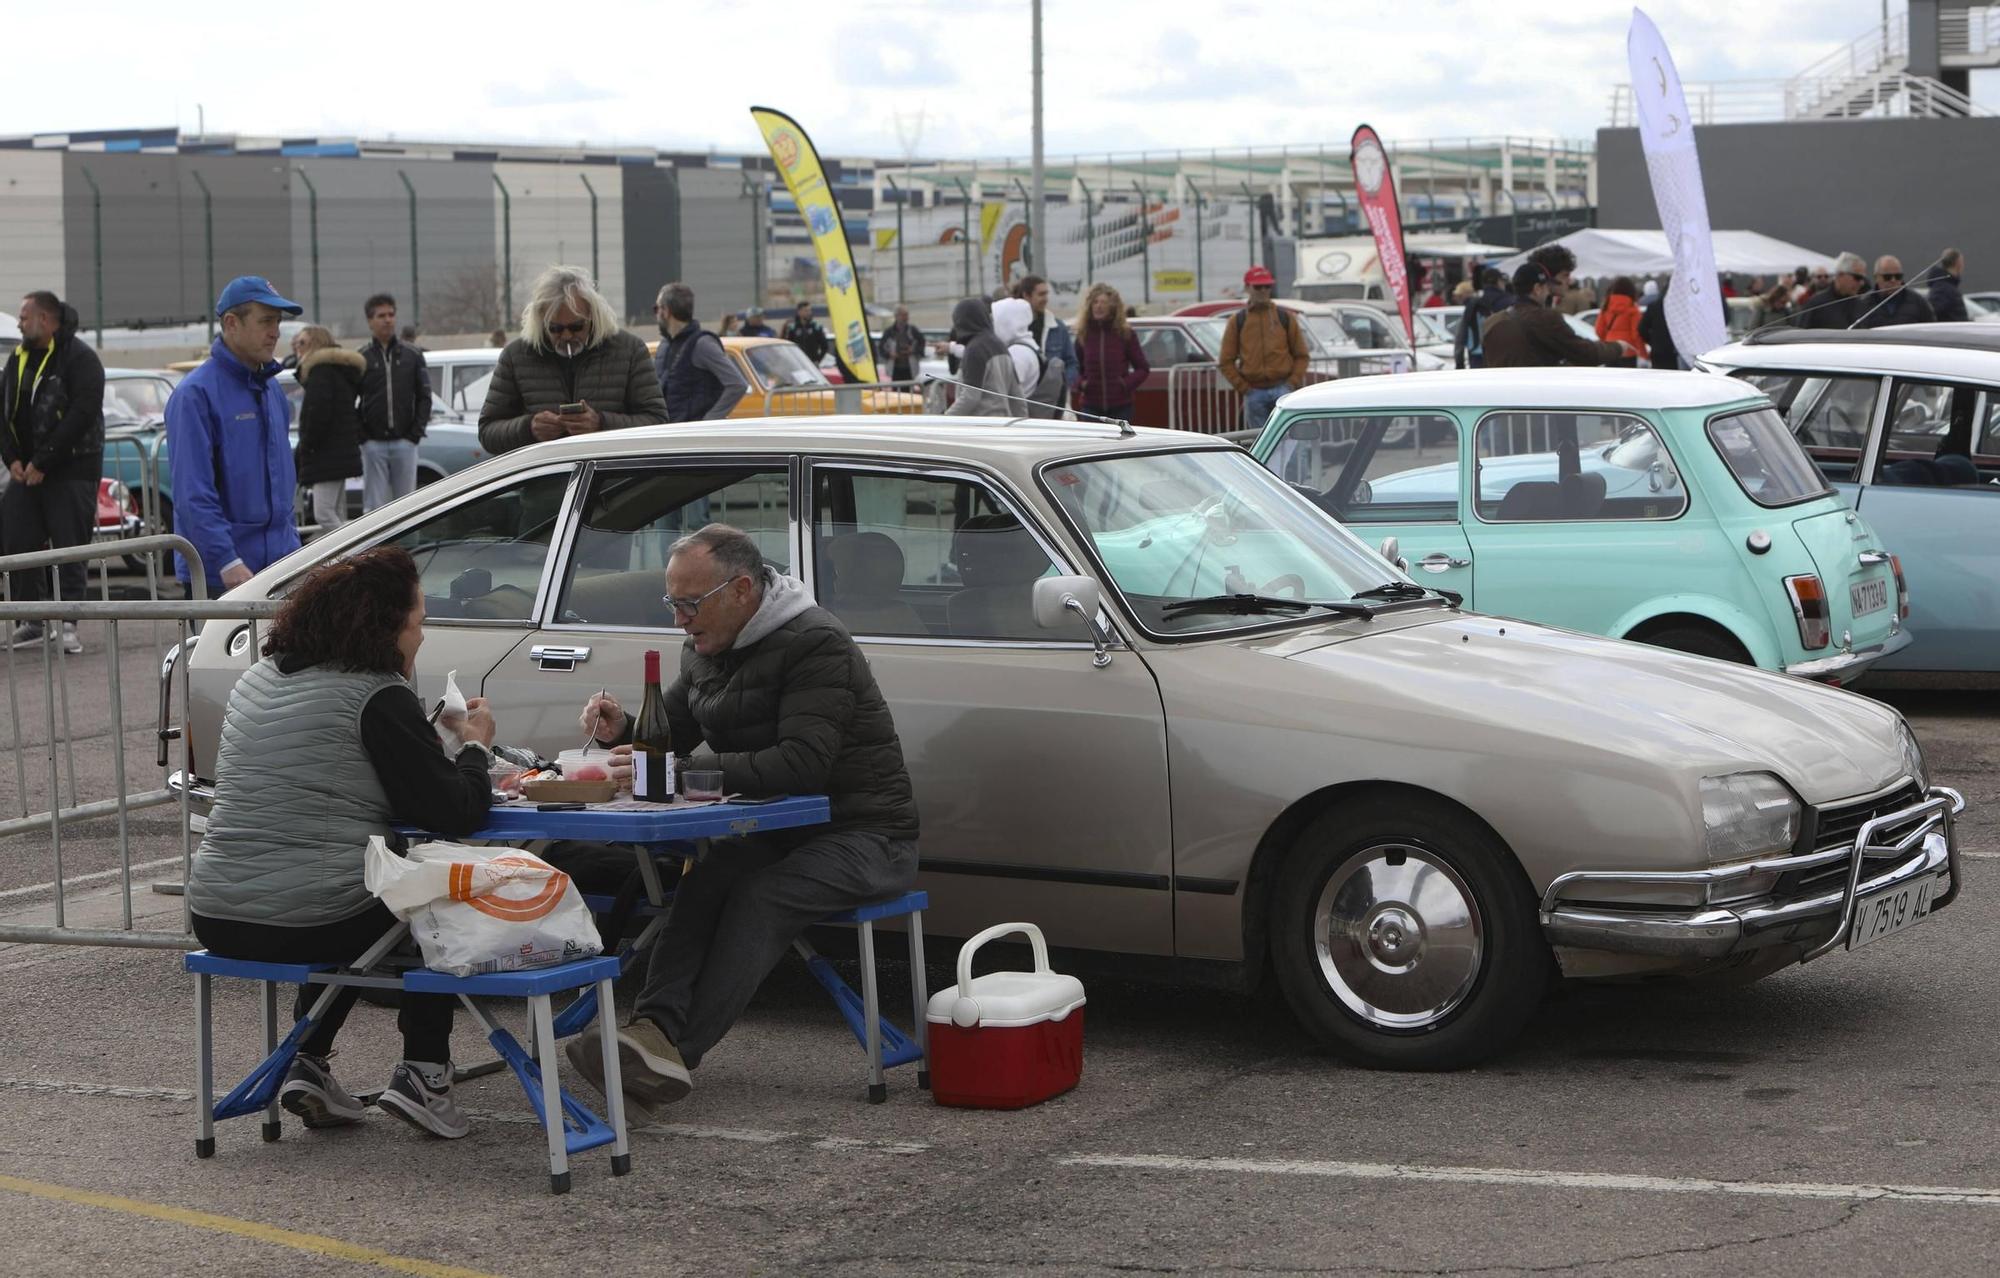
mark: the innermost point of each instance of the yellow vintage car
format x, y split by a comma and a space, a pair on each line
784, 383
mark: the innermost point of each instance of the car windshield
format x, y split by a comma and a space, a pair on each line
1209, 333
1325, 330
130, 400
1171, 527
1432, 330
783, 364
1767, 461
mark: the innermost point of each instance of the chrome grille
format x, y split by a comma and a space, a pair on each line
1836, 828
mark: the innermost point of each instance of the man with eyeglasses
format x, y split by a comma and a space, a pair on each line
1891, 302
1838, 304
775, 695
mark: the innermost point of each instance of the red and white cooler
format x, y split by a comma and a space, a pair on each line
1007, 1039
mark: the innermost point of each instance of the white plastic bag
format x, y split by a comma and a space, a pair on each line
483, 909
451, 719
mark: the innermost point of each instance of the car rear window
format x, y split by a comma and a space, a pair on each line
1766, 460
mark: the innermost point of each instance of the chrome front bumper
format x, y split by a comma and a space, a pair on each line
1852, 663
1920, 841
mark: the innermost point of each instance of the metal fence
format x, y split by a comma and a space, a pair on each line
59, 751
1200, 398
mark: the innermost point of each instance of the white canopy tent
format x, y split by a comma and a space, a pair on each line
1601, 254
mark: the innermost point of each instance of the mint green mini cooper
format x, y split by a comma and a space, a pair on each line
1670, 508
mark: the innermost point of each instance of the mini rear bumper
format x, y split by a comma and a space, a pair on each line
1888, 851
1844, 666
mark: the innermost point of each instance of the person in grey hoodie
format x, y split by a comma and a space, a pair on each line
987, 383
775, 695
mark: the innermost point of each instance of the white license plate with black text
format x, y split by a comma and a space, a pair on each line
1888, 912
1869, 596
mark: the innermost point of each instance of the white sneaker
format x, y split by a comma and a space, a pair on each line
71, 641
422, 1106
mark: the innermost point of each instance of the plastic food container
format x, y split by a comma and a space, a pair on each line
1006, 1040
570, 761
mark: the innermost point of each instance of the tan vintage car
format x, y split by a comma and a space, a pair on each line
1156, 701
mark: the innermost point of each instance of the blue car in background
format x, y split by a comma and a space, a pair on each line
1905, 423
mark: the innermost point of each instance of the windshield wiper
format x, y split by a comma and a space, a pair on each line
1408, 590
1249, 604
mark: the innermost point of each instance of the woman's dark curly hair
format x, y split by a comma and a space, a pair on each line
347, 613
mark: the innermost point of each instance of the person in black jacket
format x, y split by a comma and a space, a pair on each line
395, 408
804, 332
1893, 301
329, 451
1658, 335
1947, 302
775, 695
52, 440
1468, 349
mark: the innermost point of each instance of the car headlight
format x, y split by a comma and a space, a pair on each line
1913, 756
1747, 814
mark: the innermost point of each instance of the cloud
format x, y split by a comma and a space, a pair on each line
883, 58
558, 90
1180, 70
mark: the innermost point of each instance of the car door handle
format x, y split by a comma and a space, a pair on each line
558, 656
1869, 558
1438, 561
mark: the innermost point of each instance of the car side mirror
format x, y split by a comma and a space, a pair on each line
1392, 550
1057, 599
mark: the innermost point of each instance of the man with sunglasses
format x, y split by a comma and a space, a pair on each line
773, 694
1891, 302
1836, 304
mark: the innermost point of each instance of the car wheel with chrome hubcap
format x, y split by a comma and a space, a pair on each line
1405, 935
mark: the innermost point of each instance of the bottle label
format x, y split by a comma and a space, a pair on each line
652, 776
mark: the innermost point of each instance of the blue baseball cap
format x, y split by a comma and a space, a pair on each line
254, 288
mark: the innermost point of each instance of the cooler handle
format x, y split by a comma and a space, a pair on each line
998, 930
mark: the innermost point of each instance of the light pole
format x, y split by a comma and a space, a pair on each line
1035, 164
416, 304
208, 239
593, 227
506, 253
902, 285
312, 223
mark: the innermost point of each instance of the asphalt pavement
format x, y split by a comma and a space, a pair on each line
1837, 1118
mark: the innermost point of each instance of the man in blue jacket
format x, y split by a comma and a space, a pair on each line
229, 445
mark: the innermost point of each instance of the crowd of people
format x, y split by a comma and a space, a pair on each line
1631, 322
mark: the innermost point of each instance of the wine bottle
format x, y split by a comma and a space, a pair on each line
652, 741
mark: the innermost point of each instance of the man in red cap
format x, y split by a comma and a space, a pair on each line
1263, 351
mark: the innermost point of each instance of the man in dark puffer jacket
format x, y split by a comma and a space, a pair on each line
571, 351
775, 695
52, 444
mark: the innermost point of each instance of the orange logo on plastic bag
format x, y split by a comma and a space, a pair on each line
510, 909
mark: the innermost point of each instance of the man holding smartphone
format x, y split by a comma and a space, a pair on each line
572, 371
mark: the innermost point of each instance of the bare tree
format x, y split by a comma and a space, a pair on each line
465, 301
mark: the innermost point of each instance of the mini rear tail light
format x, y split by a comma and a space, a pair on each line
1902, 588
1808, 598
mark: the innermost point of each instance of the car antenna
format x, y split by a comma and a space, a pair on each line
1125, 428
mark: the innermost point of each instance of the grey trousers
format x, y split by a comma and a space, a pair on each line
738, 911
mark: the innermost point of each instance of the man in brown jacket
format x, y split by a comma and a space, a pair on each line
1532, 334
1263, 351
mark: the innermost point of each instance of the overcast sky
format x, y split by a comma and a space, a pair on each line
887, 77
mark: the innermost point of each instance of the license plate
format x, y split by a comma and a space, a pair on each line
1869, 596
1888, 912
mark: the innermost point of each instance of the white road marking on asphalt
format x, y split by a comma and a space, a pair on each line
1542, 1179
690, 1131
1980, 856
75, 879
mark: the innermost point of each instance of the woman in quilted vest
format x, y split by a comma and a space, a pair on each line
324, 743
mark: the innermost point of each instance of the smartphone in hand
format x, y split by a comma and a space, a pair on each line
570, 410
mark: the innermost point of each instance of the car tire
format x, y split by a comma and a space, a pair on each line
1697, 641
1405, 935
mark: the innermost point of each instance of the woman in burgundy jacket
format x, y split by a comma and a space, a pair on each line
1107, 351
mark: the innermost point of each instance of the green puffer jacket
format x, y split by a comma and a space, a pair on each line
793, 708
615, 377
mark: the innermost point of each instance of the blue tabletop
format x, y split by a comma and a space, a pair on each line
675, 824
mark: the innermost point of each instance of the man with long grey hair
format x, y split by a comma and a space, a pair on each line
572, 370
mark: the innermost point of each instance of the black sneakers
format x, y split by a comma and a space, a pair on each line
431, 1109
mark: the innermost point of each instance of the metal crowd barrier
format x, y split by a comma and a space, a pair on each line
186, 616
905, 397
1200, 399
